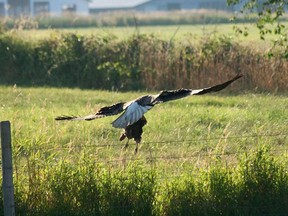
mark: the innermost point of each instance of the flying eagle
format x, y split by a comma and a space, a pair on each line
132, 119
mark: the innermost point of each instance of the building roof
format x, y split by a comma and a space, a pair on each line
99, 4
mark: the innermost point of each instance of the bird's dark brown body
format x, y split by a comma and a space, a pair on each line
134, 131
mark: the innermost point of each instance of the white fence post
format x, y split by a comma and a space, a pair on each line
7, 169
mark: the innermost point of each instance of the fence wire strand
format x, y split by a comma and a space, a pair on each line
118, 144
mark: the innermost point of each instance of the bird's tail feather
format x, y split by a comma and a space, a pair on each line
64, 117
75, 118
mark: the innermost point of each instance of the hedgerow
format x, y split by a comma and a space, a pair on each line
140, 62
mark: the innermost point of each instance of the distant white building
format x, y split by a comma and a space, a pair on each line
16, 8
157, 5
171, 5
98, 6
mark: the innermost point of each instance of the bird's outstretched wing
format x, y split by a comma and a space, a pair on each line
134, 110
103, 112
169, 95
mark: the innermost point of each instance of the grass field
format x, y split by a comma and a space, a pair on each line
79, 167
164, 32
220, 154
176, 129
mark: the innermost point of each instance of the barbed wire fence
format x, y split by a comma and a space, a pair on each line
150, 157
161, 162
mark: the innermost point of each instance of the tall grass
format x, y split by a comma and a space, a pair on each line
140, 62
257, 186
86, 189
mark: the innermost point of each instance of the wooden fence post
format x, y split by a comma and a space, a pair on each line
7, 169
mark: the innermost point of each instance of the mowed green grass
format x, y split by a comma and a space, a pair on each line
193, 33
179, 136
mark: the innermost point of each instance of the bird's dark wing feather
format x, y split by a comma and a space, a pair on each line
214, 88
111, 110
169, 95
102, 112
